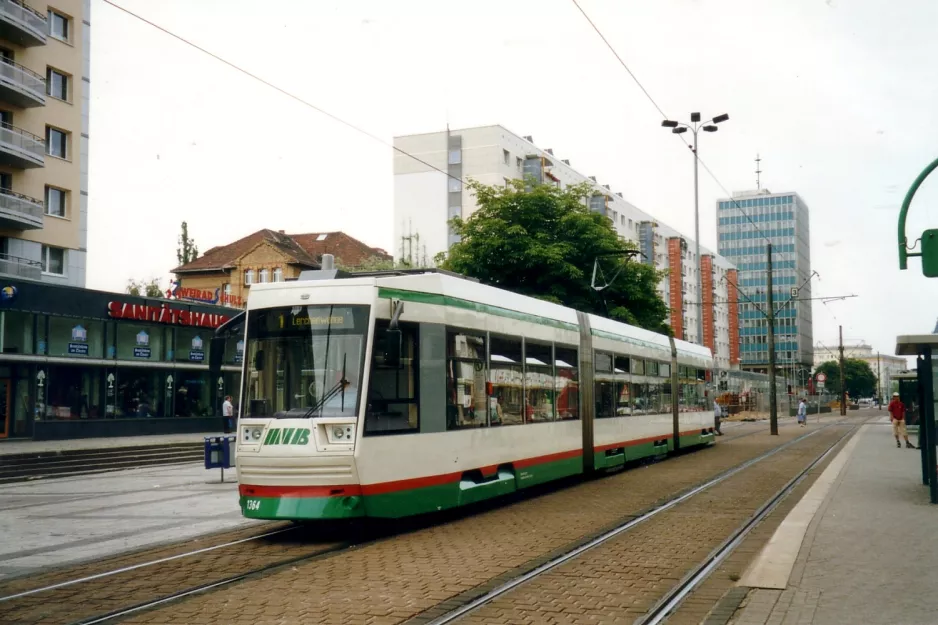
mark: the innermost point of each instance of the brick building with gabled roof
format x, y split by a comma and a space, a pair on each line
224, 274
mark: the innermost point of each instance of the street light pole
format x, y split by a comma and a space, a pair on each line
678, 128
700, 338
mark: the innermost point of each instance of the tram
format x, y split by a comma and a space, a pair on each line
398, 393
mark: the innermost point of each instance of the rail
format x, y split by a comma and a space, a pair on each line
24, 140
20, 75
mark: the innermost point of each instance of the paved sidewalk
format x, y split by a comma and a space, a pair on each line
869, 554
54, 522
28, 446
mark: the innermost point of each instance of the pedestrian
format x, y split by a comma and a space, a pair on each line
802, 412
717, 414
227, 411
897, 412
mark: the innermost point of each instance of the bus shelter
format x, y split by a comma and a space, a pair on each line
919, 398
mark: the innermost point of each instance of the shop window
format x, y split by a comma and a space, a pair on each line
566, 382
506, 375
193, 394
392, 391
539, 394
192, 344
604, 385
143, 393
74, 392
17, 335
139, 342
466, 397
74, 337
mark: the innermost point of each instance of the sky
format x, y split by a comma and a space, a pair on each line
836, 96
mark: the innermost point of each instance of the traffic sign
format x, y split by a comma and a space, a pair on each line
821, 378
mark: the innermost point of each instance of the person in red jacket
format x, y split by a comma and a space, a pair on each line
897, 412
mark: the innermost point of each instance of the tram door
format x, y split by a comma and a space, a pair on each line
4, 407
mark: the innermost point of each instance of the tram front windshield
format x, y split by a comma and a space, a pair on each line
304, 361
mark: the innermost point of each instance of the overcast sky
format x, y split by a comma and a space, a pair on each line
838, 97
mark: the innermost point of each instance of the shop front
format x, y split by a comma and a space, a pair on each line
77, 363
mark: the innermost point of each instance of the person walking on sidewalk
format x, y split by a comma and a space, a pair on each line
897, 412
717, 415
802, 412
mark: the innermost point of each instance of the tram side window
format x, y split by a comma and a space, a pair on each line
664, 372
506, 375
604, 385
567, 382
653, 389
392, 391
539, 395
640, 397
623, 386
466, 398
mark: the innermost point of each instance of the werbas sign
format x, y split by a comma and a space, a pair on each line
164, 314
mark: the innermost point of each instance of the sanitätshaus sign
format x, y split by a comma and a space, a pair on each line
164, 314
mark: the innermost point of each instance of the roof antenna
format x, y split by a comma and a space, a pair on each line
758, 172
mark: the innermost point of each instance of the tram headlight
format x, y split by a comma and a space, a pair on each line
256, 433
340, 433
251, 434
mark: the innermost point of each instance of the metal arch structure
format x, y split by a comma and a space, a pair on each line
929, 250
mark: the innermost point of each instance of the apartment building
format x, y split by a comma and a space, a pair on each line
44, 101
744, 223
426, 199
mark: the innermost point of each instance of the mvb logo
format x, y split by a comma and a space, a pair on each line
287, 436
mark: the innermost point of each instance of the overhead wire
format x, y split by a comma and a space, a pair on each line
293, 96
664, 117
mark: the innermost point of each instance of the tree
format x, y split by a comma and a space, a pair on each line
541, 241
187, 250
143, 288
858, 377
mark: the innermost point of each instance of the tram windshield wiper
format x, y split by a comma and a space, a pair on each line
339, 387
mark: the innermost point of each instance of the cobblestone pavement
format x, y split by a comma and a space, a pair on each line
869, 554
622, 579
399, 578
107, 594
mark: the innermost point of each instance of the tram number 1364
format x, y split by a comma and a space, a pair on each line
253, 504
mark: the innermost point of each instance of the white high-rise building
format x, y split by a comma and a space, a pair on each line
426, 199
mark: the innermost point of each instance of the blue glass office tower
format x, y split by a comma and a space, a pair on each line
783, 219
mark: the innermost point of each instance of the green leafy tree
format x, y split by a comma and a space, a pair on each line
187, 250
541, 241
858, 377
143, 288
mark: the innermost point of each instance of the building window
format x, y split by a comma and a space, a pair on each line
455, 185
455, 157
518, 162
228, 289
58, 25
506, 156
53, 260
55, 202
263, 276
278, 274
56, 84
248, 277
56, 142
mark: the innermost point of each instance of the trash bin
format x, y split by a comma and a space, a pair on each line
218, 452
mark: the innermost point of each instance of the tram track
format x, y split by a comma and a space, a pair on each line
533, 595
666, 604
158, 595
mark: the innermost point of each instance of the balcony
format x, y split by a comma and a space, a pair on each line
21, 87
22, 24
19, 212
20, 267
21, 149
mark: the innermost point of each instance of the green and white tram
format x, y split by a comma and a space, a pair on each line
399, 393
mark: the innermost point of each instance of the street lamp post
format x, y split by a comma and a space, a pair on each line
678, 128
